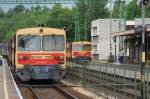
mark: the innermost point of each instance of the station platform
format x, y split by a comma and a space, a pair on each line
8, 87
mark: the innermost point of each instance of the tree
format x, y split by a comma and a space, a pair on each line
86, 11
115, 13
132, 10
98, 9
2, 14
19, 9
56, 17
147, 10
60, 17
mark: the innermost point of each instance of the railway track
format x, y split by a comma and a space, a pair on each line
45, 92
51, 91
28, 92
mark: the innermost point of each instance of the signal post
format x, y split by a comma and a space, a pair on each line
142, 4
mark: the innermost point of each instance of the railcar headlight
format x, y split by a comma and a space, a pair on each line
20, 57
56, 57
25, 57
87, 54
61, 57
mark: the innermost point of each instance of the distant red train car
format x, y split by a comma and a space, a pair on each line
79, 50
38, 53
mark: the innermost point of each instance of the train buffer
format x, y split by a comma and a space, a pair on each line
8, 87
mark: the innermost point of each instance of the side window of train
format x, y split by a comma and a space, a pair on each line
21, 43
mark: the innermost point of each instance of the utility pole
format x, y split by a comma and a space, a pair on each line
77, 21
122, 22
142, 4
143, 53
85, 20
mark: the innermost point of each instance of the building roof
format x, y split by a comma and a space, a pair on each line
128, 32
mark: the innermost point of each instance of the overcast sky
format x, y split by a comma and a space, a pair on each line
6, 7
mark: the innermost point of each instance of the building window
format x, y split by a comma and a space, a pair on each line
94, 49
95, 57
95, 30
95, 40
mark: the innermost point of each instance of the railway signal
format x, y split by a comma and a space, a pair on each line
146, 2
143, 2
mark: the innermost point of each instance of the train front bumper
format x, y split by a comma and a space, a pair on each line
40, 73
49, 72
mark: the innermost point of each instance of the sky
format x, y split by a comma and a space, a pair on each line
111, 5
6, 7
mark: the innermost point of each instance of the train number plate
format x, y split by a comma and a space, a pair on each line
41, 57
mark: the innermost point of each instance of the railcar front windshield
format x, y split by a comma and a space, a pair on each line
86, 47
77, 47
53, 43
29, 43
81, 47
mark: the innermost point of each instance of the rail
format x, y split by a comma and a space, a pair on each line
37, 89
66, 93
34, 92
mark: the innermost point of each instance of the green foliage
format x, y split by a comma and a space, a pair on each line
88, 10
147, 10
60, 18
116, 8
132, 10
19, 17
19, 9
56, 17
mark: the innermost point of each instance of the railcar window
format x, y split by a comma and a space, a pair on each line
53, 42
87, 47
29, 43
77, 47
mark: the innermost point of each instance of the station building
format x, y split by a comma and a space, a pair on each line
132, 41
102, 41
126, 42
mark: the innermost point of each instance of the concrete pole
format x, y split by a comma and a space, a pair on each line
143, 54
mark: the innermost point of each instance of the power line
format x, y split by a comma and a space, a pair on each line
49, 1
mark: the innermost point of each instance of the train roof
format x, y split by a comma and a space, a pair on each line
81, 42
37, 30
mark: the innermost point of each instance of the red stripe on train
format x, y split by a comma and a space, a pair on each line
39, 58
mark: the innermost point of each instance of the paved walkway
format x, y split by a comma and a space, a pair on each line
8, 87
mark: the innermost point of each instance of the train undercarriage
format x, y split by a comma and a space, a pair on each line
50, 72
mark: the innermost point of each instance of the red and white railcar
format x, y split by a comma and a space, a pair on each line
38, 53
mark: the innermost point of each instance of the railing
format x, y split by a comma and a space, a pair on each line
112, 81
